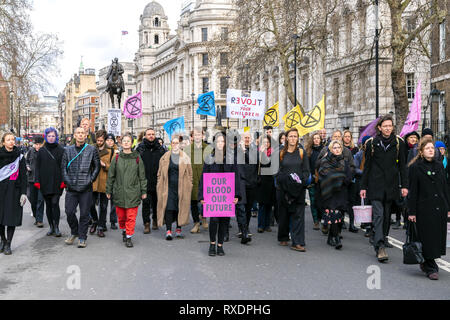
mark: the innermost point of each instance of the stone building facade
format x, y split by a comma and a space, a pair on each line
80, 83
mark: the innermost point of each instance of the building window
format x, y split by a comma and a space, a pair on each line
363, 87
223, 59
410, 86
442, 40
224, 34
336, 93
348, 91
348, 37
205, 59
336, 42
223, 85
305, 90
157, 23
156, 39
130, 77
130, 92
205, 85
204, 34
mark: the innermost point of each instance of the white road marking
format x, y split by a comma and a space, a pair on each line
444, 265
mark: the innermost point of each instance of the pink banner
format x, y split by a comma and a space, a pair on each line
415, 113
218, 194
132, 108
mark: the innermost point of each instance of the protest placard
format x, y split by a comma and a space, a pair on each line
218, 193
247, 105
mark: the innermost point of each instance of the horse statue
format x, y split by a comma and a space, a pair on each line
115, 84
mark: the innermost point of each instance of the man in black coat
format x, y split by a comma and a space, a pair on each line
80, 167
385, 167
151, 152
251, 174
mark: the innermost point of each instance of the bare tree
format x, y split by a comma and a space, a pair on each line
28, 60
409, 37
262, 35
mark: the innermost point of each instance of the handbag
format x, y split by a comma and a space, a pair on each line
412, 249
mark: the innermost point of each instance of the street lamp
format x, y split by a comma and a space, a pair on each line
295, 37
11, 97
432, 98
193, 103
153, 111
377, 63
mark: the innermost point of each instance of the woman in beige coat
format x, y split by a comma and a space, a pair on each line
174, 189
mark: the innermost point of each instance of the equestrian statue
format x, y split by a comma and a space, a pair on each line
115, 84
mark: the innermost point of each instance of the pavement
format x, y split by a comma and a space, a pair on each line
44, 267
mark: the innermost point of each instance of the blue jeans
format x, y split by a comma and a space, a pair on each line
264, 215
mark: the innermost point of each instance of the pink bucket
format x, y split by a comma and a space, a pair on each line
363, 214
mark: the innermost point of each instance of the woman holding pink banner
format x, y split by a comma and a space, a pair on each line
216, 163
174, 189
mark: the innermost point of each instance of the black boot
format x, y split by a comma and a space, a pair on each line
129, 243
212, 250
331, 241
51, 232
2, 246
353, 229
220, 251
7, 250
245, 238
57, 232
338, 243
124, 236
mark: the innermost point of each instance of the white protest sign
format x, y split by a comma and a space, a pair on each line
115, 122
245, 104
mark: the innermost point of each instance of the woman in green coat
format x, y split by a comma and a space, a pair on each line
127, 185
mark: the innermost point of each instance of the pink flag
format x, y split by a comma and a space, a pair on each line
132, 108
415, 113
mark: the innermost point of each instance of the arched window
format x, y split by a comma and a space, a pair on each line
156, 39
156, 23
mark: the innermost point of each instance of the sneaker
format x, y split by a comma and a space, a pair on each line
433, 276
298, 248
169, 236
382, 255
69, 241
250, 234
178, 234
220, 251
82, 244
239, 235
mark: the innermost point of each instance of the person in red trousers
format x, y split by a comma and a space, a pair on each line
125, 189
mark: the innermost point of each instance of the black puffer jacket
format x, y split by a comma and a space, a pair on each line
151, 153
83, 170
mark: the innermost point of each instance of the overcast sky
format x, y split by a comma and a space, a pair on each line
93, 29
